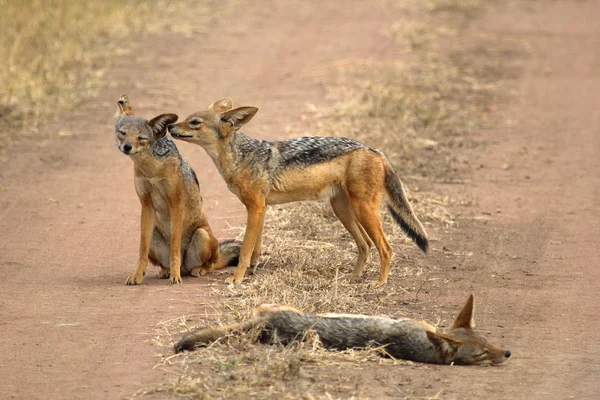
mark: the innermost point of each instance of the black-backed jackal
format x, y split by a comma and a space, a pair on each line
354, 178
406, 339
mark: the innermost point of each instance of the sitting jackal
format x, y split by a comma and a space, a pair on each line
174, 228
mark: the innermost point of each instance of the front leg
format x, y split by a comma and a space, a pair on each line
146, 227
256, 214
257, 247
175, 203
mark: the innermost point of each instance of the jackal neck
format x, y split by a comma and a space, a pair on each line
234, 151
244, 145
146, 165
163, 148
222, 157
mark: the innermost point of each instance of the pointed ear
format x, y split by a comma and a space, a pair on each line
221, 105
465, 318
238, 117
159, 124
124, 106
445, 345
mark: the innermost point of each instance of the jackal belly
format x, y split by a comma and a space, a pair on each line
277, 197
311, 183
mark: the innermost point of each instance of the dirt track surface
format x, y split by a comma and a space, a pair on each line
69, 213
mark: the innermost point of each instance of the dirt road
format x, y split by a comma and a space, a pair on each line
543, 175
68, 216
537, 185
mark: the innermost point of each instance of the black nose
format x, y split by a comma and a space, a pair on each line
127, 147
507, 353
169, 127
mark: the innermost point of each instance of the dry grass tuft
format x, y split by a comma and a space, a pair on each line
304, 263
54, 52
236, 368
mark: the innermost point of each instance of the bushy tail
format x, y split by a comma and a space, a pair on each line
402, 211
230, 253
203, 336
206, 336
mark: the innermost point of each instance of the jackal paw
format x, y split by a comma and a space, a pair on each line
200, 271
134, 280
352, 277
252, 269
175, 280
164, 273
232, 281
379, 283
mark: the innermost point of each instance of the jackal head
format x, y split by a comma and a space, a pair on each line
134, 135
462, 345
206, 128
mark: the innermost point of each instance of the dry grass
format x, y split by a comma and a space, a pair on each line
418, 111
304, 262
54, 52
236, 368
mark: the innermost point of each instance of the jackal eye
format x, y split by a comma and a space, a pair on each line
195, 122
121, 132
142, 138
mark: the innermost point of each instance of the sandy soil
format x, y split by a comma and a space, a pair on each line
69, 213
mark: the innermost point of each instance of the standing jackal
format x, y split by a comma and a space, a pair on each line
404, 338
174, 228
353, 176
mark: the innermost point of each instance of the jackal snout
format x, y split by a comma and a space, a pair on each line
175, 131
126, 148
467, 346
474, 348
131, 136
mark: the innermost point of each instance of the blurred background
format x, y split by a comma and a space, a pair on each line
486, 109
55, 52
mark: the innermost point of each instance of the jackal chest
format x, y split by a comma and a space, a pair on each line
159, 203
156, 189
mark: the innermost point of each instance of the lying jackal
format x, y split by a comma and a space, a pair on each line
353, 176
406, 339
174, 228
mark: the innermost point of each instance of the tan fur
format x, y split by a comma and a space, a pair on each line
354, 183
173, 221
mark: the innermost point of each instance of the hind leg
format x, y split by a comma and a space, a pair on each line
357, 272
159, 253
343, 210
367, 212
202, 254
